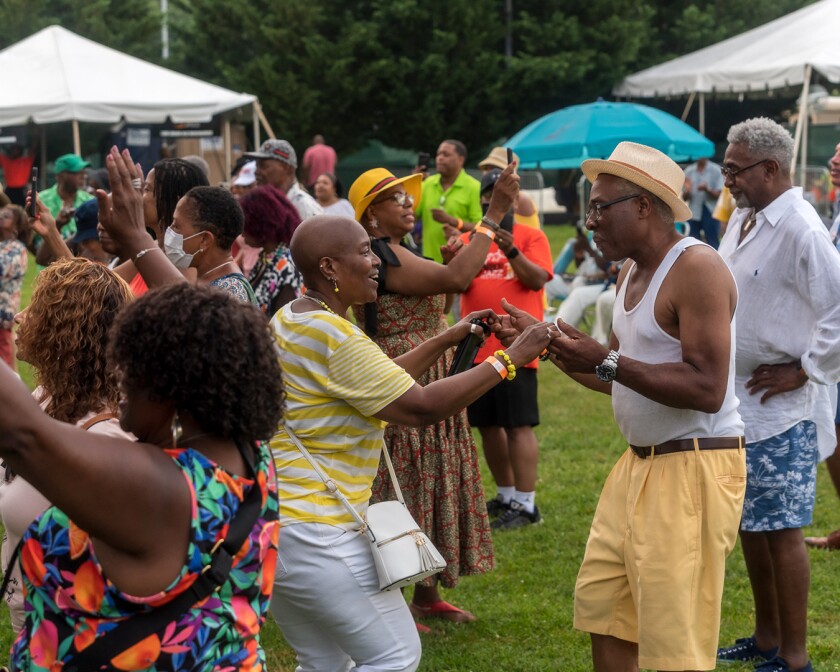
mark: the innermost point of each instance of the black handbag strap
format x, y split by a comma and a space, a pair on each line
136, 628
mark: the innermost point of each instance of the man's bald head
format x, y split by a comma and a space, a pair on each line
322, 236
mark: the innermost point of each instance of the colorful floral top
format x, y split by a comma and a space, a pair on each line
12, 269
270, 275
237, 286
69, 599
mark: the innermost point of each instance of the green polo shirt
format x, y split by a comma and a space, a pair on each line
52, 200
462, 199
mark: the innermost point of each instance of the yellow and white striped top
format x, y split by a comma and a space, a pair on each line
336, 379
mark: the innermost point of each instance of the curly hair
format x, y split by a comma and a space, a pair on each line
173, 179
218, 212
65, 334
21, 222
765, 139
193, 346
269, 216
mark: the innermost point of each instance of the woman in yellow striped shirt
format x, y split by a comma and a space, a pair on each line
342, 391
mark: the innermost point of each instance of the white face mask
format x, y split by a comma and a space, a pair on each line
173, 245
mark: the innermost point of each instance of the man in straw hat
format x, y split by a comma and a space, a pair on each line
650, 586
786, 267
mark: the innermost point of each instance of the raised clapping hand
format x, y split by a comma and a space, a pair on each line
124, 220
774, 379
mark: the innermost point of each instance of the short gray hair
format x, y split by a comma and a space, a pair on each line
765, 139
662, 209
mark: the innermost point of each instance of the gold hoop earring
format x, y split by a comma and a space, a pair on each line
335, 285
177, 430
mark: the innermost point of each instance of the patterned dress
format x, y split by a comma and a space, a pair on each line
237, 286
270, 275
69, 600
437, 465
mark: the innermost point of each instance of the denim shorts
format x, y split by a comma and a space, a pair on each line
781, 480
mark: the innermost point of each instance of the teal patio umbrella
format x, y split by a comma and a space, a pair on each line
565, 138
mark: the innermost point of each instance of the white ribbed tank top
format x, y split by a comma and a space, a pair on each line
644, 422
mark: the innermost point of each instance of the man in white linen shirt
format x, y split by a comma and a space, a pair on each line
277, 166
788, 351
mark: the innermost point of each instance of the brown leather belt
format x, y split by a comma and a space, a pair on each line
684, 445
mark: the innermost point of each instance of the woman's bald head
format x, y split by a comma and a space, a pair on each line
322, 236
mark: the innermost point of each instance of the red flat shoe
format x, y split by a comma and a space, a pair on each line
831, 542
443, 610
422, 629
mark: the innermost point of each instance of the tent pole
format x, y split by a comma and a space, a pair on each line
806, 87
226, 140
803, 111
255, 121
702, 126
77, 145
42, 175
688, 105
264, 121
542, 185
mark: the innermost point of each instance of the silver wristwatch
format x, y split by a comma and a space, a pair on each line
608, 369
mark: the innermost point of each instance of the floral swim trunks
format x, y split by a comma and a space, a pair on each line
781, 480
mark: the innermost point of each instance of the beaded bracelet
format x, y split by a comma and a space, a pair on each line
501, 369
511, 369
487, 232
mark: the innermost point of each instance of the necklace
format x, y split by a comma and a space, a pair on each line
317, 300
216, 268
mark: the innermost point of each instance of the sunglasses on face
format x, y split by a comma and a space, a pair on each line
402, 199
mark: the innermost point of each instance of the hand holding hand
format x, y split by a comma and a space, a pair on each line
518, 318
531, 343
775, 379
578, 352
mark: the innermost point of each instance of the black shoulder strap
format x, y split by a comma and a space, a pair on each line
212, 577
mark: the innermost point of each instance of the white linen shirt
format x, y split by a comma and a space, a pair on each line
788, 278
303, 202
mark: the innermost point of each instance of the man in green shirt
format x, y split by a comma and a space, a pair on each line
450, 201
68, 193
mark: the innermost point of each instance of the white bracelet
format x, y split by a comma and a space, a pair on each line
142, 252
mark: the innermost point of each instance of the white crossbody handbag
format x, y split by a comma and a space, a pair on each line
402, 552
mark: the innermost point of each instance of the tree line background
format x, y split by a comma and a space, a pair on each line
410, 72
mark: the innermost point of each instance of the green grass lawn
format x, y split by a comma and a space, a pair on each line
524, 607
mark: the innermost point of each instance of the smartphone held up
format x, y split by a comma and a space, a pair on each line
32, 211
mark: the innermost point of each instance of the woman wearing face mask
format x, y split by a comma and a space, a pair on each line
436, 464
204, 225
207, 220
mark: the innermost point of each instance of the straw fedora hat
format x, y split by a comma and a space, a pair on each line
373, 182
497, 158
647, 167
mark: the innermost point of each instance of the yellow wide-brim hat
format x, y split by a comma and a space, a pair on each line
373, 182
648, 168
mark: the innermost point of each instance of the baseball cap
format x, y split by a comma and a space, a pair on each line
280, 150
247, 175
70, 163
87, 216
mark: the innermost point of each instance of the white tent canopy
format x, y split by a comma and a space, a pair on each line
55, 75
771, 56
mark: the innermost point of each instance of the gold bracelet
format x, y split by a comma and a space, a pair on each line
501, 369
487, 232
511, 369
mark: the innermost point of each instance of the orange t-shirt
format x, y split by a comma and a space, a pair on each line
138, 286
496, 280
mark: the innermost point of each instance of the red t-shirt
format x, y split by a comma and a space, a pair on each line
318, 159
16, 172
496, 280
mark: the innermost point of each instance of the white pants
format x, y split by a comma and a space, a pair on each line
328, 605
603, 315
580, 298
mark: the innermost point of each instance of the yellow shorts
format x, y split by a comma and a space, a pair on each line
654, 563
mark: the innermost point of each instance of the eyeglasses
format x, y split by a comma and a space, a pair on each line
596, 208
402, 198
732, 173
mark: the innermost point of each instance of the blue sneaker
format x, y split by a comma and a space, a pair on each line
777, 664
744, 649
